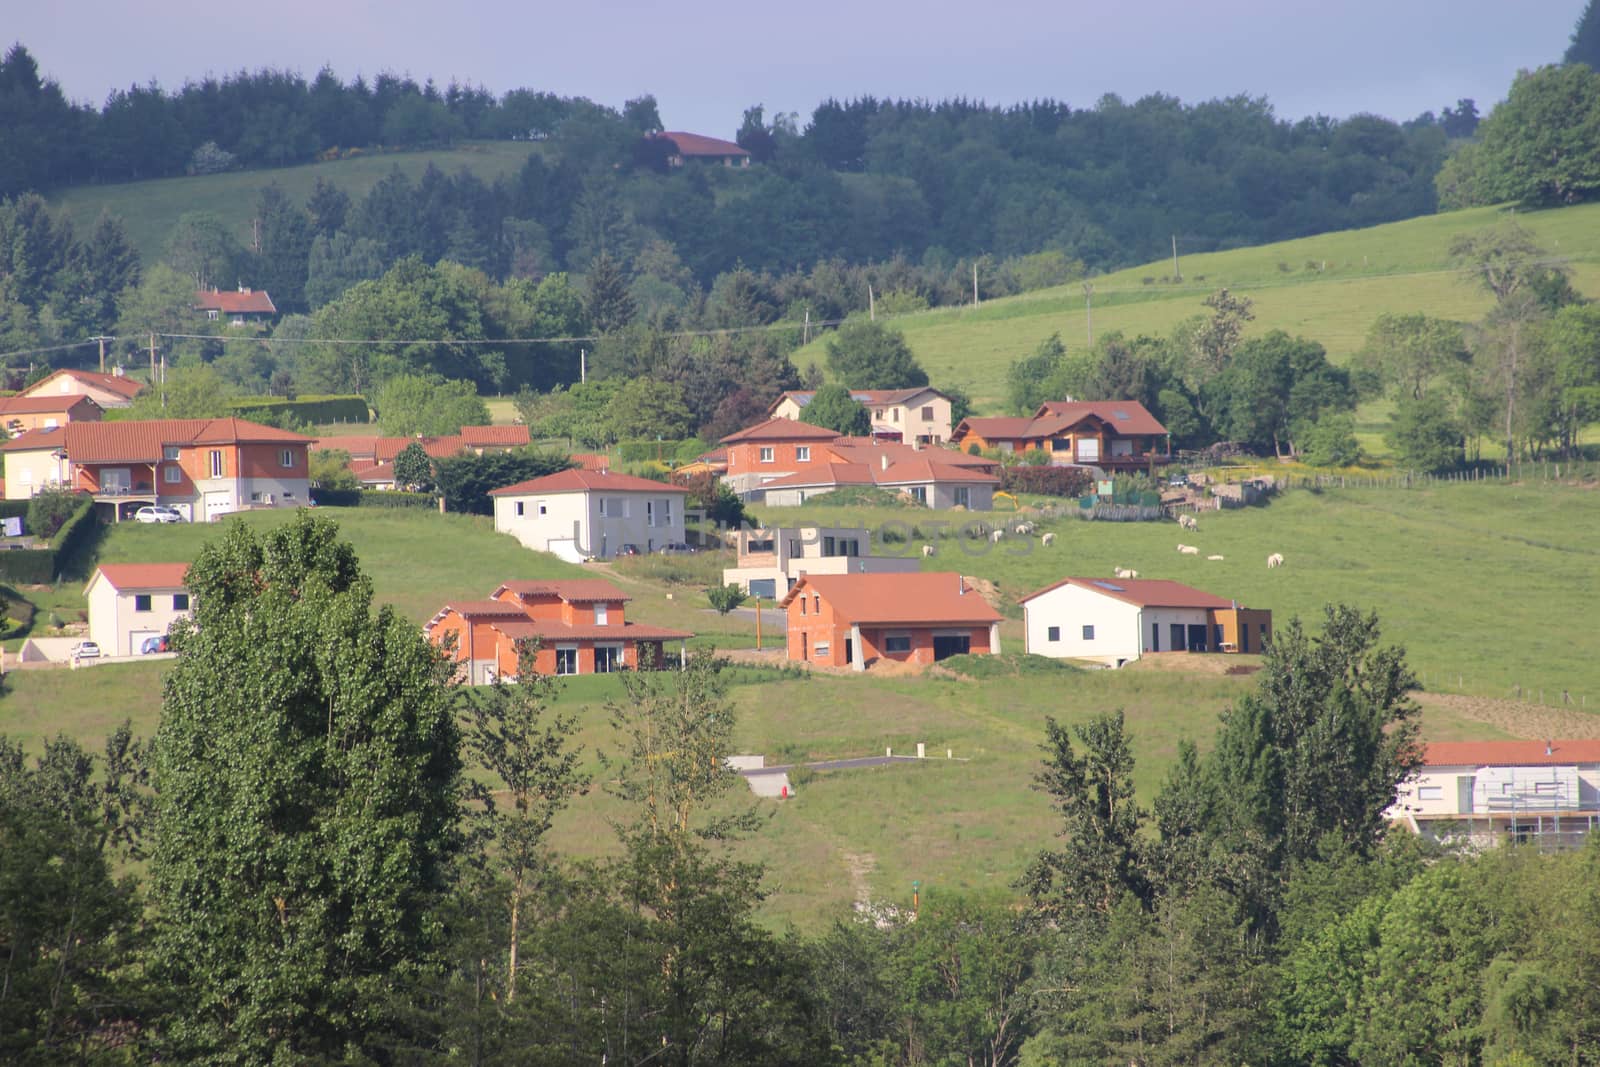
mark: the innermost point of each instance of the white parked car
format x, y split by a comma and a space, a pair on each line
157, 513
85, 650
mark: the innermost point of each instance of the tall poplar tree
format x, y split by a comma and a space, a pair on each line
307, 771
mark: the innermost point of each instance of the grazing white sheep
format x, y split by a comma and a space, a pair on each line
1048, 539
927, 550
1125, 572
1275, 560
1214, 558
1023, 529
1189, 550
997, 536
1188, 522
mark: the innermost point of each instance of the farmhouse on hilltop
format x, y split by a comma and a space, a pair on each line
579, 624
698, 148
236, 307
1544, 793
837, 620
1115, 620
580, 514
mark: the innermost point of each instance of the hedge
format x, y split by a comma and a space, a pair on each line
370, 498
685, 451
1046, 481
14, 509
38, 566
314, 410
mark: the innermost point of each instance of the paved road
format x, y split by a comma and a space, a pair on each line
833, 764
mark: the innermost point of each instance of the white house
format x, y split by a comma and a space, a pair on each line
1545, 793
771, 561
581, 514
129, 602
915, 416
1114, 620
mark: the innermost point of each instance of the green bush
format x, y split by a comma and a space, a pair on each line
1006, 665
725, 597
14, 509
670, 451
313, 410
370, 498
50, 509
74, 536
31, 566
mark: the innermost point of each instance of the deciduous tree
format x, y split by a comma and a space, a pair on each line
869, 355
832, 406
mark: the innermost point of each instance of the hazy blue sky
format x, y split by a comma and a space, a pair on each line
705, 62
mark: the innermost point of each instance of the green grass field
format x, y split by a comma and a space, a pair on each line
1401, 267
149, 209
1485, 585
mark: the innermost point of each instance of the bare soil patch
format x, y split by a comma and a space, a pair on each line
1515, 717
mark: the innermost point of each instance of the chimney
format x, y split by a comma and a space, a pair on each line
961, 586
1549, 748
885, 460
118, 371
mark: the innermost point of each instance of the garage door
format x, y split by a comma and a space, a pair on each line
953, 645
136, 638
218, 505
564, 548
764, 587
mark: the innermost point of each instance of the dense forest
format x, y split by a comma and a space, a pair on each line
316, 873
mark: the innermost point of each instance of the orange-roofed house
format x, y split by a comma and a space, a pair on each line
235, 307
205, 468
580, 626
130, 603
856, 620
772, 449
114, 390
581, 514
1117, 620
698, 148
1109, 434
1544, 793
19, 414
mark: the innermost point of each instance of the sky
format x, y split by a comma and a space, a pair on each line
707, 60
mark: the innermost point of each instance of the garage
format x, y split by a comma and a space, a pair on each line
947, 645
218, 505
137, 638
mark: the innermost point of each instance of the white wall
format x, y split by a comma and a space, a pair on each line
1072, 607
648, 520
112, 617
27, 472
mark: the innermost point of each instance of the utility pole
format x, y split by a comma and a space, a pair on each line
805, 335
102, 341
1177, 275
583, 365
974, 283
872, 304
1088, 308
154, 381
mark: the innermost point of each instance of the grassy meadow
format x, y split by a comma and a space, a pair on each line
1478, 581
1329, 288
149, 209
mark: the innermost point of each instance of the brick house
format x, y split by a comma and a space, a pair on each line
772, 449
1110, 434
581, 627
854, 620
19, 414
204, 467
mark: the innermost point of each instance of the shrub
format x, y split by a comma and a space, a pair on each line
50, 509
310, 409
1046, 481
725, 597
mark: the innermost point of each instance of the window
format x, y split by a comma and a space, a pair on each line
216, 463
1546, 789
141, 602
567, 660
896, 414
543, 509
519, 509
169, 452
1052, 633
666, 513
766, 454
255, 498
760, 546
51, 423
850, 547
1088, 633
803, 453
286, 459
607, 659
1430, 792
821, 650
180, 601
802, 604
611, 507
211, 314
897, 642
172, 475
649, 512
828, 545
600, 612
878, 414
794, 547
919, 493
963, 497
927, 413
816, 603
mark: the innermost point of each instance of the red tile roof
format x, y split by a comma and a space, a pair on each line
494, 436
114, 383
1145, 592
864, 397
360, 446
436, 447
141, 440
866, 450
780, 429
139, 576
44, 405
1124, 418
916, 470
591, 461
554, 629
695, 144
581, 481
573, 590
1511, 753
235, 302
469, 609
922, 599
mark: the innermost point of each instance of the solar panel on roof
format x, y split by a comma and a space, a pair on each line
1110, 586
1123, 415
